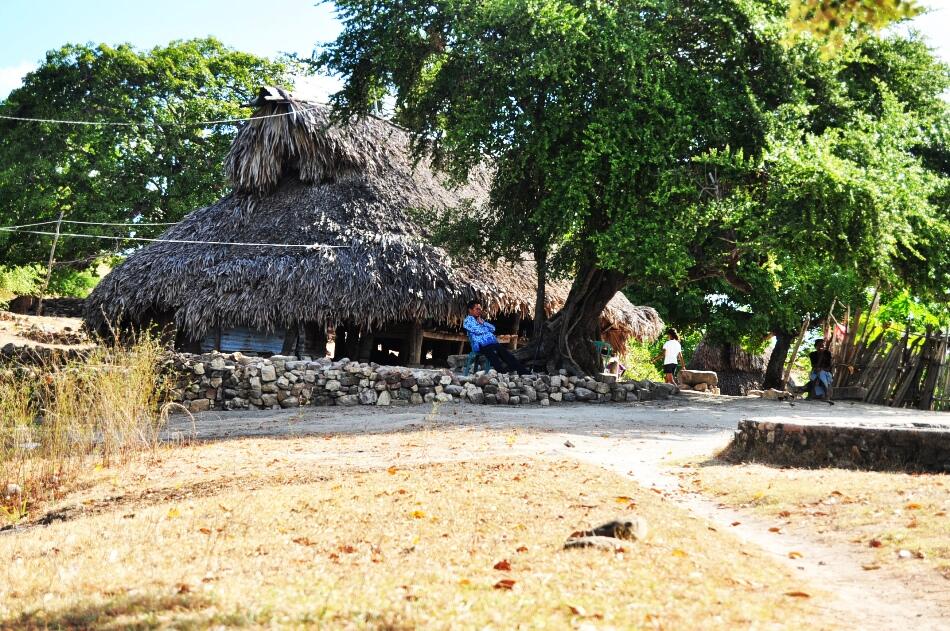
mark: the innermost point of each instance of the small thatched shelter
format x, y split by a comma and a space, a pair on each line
322, 213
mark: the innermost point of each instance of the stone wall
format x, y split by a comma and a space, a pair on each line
850, 447
235, 381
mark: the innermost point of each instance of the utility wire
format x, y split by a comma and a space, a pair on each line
222, 121
314, 246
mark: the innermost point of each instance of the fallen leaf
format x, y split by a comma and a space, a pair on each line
346, 549
677, 552
775, 529
173, 513
913, 506
838, 493
784, 513
205, 531
875, 543
417, 514
870, 566
522, 549
798, 594
568, 443
304, 541
623, 499
735, 523
912, 523
465, 582
503, 565
794, 555
183, 588
577, 611
505, 583
392, 470
942, 513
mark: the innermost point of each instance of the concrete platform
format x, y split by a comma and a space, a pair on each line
881, 439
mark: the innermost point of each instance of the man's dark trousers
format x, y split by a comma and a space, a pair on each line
499, 356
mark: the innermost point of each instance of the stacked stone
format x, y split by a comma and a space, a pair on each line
236, 381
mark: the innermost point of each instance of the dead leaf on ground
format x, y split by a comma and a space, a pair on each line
775, 529
205, 531
784, 513
522, 549
870, 566
735, 523
795, 555
392, 470
798, 594
505, 583
503, 565
304, 541
417, 514
183, 588
875, 543
678, 552
913, 506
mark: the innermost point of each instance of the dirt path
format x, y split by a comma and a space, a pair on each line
637, 440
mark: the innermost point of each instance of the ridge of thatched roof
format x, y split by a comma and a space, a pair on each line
300, 179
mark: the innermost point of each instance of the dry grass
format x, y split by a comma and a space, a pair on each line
62, 417
886, 512
265, 535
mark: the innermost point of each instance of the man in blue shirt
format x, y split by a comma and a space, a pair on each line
482, 335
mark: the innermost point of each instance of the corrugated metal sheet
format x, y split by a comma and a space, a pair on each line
244, 339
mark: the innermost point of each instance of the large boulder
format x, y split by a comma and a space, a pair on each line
693, 377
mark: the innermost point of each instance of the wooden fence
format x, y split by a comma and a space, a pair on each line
896, 368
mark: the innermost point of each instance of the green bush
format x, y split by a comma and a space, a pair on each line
22, 280
72, 283
638, 360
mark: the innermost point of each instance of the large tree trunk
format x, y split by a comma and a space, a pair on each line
775, 369
567, 338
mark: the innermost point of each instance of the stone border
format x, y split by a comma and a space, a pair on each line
235, 382
848, 447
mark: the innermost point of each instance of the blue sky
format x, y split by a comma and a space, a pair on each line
29, 28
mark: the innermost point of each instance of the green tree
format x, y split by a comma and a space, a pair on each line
155, 166
589, 111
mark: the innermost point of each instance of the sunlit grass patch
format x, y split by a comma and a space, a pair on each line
887, 512
398, 547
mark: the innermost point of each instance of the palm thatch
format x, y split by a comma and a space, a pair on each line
300, 179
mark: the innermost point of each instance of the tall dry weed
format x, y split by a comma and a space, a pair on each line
62, 416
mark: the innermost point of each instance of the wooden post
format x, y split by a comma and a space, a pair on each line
415, 344
49, 265
514, 331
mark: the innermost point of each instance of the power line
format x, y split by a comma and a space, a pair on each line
314, 246
222, 121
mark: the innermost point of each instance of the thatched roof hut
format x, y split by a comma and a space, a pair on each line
322, 215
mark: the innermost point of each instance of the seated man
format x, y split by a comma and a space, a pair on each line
820, 376
483, 339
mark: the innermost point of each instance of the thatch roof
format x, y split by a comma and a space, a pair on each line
299, 179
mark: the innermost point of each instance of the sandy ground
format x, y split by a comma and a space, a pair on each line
640, 440
13, 325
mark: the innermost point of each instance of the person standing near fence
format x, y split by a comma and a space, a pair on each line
820, 376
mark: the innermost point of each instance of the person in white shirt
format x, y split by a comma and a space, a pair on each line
672, 355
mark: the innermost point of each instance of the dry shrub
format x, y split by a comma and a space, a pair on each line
62, 416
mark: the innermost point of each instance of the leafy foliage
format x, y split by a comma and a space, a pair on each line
155, 168
834, 22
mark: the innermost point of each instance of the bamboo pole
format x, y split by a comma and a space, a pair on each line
798, 343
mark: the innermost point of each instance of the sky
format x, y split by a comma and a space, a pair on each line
29, 28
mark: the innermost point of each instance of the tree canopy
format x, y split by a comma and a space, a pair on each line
154, 166
680, 146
